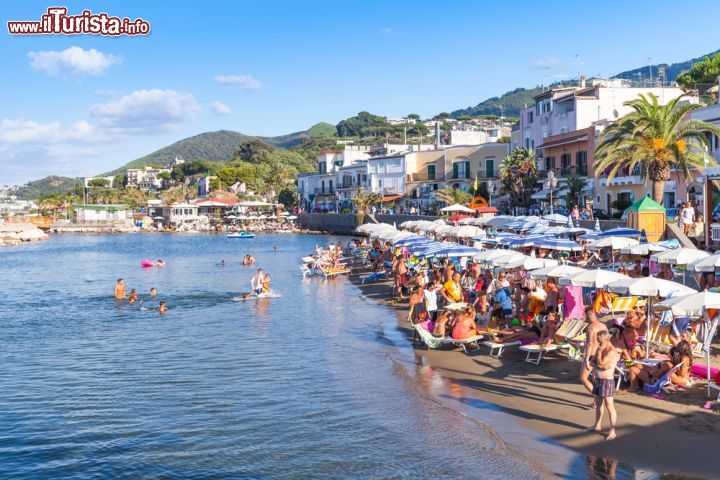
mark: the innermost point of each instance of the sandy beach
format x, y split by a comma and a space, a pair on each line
673, 435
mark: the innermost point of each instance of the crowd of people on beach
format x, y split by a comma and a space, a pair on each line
463, 300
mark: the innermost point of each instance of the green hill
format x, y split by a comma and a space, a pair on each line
671, 71
47, 186
214, 146
511, 102
322, 129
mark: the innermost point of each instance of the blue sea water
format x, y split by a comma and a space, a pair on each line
316, 383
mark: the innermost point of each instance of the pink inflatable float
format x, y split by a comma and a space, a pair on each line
146, 263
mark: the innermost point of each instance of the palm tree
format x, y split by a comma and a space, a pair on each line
518, 172
452, 195
656, 139
363, 199
575, 185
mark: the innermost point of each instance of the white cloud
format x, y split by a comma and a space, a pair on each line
247, 82
146, 111
546, 63
387, 31
73, 60
220, 108
23, 131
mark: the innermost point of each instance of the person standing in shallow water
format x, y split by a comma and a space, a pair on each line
604, 362
120, 289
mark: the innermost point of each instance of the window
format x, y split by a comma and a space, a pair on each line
581, 162
431, 172
527, 143
565, 161
322, 186
322, 167
530, 117
461, 169
489, 167
331, 185
549, 163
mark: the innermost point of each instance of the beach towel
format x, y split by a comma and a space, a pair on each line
573, 302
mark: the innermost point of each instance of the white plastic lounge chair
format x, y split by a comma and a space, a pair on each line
435, 342
536, 351
496, 349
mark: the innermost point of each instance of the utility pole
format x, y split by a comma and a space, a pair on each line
650, 68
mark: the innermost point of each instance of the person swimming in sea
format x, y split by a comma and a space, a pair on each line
159, 263
256, 284
153, 292
133, 295
266, 284
120, 289
163, 307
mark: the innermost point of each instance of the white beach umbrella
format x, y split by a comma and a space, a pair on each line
390, 236
592, 278
488, 255
648, 287
466, 221
457, 208
408, 224
466, 231
442, 229
643, 249
707, 264
679, 256
693, 305
499, 221
614, 243
504, 260
556, 218
532, 263
556, 272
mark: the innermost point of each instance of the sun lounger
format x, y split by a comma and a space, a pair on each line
329, 272
435, 342
623, 304
536, 351
496, 349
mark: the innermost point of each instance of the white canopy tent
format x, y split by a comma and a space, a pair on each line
457, 208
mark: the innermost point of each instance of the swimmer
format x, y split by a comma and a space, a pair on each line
222, 263
120, 289
133, 296
245, 260
274, 249
131, 300
251, 259
266, 284
163, 307
153, 292
159, 263
256, 284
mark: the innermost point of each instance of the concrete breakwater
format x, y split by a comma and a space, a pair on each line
15, 233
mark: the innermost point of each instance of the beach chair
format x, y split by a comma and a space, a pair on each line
662, 382
330, 272
497, 349
306, 272
535, 352
434, 342
623, 304
715, 386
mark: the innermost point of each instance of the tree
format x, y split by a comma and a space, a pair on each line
363, 199
655, 139
120, 180
703, 72
252, 151
288, 195
452, 195
98, 182
503, 140
413, 116
165, 177
575, 185
518, 173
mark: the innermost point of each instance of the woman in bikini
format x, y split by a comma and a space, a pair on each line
465, 326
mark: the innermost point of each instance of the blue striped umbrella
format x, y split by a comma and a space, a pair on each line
621, 232
521, 241
417, 239
453, 251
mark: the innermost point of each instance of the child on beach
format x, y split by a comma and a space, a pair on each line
604, 362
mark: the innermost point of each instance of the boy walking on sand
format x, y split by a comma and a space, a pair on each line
604, 363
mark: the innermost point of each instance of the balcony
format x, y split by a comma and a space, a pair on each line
328, 191
627, 180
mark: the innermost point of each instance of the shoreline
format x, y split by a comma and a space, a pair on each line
674, 435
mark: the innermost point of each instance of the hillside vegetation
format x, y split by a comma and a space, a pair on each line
47, 186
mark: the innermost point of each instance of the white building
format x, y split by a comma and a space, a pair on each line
145, 178
101, 213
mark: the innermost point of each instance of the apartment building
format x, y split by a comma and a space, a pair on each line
145, 178
563, 127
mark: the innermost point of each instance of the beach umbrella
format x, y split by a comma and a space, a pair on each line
539, 228
488, 256
643, 236
592, 278
614, 243
500, 221
621, 232
597, 225
556, 218
408, 223
556, 230
466, 221
555, 272
558, 244
679, 256
504, 260
458, 251
412, 238
465, 231
648, 287
570, 223
531, 263
392, 237
643, 249
457, 208
707, 264
292, 217
521, 241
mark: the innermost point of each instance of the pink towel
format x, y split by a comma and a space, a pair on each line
573, 302
699, 370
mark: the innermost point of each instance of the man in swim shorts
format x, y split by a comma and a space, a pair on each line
120, 289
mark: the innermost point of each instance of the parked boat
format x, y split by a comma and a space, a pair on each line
240, 235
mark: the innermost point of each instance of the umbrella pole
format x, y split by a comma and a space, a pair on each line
649, 327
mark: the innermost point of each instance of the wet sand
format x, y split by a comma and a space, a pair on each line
673, 435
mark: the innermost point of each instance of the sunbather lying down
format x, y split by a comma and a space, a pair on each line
542, 335
460, 322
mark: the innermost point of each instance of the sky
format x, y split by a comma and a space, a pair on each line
79, 105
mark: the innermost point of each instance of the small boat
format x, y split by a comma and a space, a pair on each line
240, 235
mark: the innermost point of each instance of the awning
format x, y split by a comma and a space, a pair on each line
390, 198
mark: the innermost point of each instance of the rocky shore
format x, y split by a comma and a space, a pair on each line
16, 233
